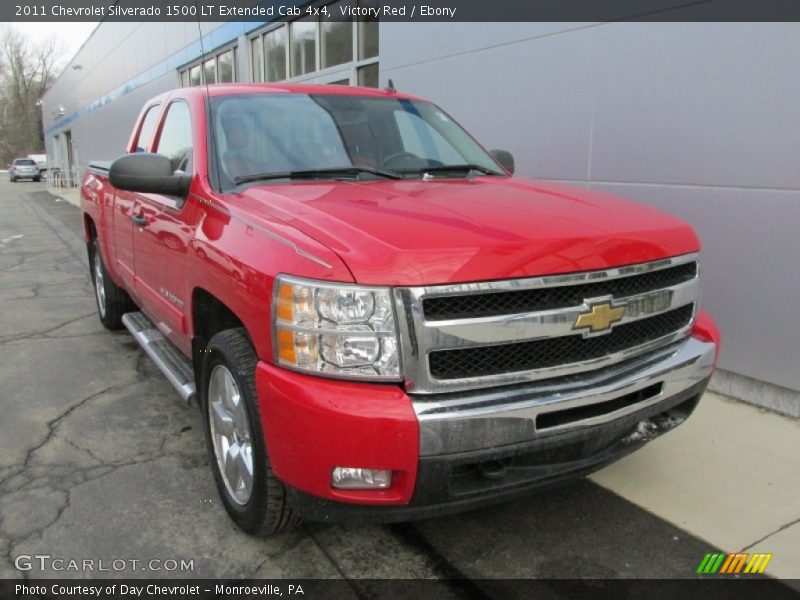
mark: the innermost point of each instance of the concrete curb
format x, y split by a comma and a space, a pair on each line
71, 195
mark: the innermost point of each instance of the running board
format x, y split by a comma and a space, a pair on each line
175, 366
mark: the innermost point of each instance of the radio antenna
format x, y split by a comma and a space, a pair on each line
212, 158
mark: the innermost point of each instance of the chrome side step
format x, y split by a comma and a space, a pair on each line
175, 366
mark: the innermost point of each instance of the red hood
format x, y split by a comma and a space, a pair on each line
415, 232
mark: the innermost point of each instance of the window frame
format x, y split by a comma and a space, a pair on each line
157, 107
348, 69
201, 61
165, 114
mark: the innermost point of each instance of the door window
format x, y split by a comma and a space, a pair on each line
148, 128
175, 141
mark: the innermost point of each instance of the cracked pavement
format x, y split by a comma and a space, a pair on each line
99, 459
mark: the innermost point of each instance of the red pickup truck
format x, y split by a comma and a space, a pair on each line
377, 319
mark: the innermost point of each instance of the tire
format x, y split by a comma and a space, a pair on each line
37, 179
112, 301
264, 508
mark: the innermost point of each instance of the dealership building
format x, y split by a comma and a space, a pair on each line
699, 119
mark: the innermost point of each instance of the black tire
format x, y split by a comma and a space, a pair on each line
37, 179
267, 511
116, 300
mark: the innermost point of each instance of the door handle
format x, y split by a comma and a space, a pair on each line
139, 220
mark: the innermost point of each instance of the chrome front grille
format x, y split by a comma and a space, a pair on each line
476, 335
548, 352
488, 304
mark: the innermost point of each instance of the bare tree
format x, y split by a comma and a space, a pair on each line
27, 70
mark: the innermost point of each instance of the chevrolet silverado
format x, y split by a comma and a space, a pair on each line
377, 319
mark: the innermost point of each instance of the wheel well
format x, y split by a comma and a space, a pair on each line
209, 317
89, 228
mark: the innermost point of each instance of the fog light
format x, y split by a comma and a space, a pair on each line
351, 478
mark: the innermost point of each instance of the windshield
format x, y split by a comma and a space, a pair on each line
273, 136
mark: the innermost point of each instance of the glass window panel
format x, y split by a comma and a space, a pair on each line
367, 39
273, 133
184, 78
148, 129
336, 38
275, 51
225, 66
368, 76
422, 140
257, 48
175, 141
304, 46
194, 75
210, 68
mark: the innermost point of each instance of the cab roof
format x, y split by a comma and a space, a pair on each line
226, 89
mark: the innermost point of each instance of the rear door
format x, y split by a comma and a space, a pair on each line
161, 244
122, 224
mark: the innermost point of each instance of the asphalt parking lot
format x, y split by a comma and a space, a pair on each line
100, 459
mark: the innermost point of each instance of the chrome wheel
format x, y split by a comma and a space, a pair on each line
230, 434
99, 287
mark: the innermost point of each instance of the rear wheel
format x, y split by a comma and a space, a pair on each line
112, 301
252, 495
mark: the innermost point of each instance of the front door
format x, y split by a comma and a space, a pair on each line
161, 242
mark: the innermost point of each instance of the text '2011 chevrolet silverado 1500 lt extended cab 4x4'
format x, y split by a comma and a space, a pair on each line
377, 319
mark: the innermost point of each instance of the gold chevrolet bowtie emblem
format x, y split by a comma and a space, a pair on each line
600, 317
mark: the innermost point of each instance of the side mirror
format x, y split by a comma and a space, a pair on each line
148, 174
505, 158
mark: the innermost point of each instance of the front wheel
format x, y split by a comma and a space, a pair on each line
252, 495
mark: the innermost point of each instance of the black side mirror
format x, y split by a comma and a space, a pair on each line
505, 158
149, 174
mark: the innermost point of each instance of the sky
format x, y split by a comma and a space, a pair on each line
71, 35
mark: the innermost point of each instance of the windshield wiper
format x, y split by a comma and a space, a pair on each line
314, 173
450, 168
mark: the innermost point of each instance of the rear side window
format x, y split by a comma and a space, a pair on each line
147, 130
175, 141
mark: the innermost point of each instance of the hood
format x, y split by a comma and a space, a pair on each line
414, 232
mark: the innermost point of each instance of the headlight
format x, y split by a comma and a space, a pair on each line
337, 329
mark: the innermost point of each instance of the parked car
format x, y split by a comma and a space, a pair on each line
379, 320
23, 168
41, 162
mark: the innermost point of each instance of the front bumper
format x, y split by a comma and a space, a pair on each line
468, 480
463, 450
486, 419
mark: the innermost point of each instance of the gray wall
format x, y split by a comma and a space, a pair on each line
700, 119
121, 66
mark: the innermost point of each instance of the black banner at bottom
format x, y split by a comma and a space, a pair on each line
399, 589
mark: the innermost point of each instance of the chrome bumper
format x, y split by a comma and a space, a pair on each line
466, 421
